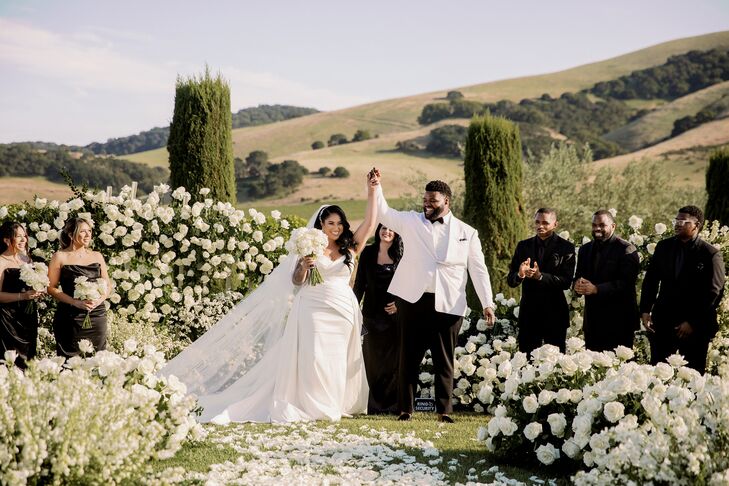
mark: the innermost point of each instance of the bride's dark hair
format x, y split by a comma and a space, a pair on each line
346, 239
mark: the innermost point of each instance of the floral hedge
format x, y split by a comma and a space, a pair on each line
171, 255
94, 420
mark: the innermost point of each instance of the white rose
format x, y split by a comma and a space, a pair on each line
651, 247
85, 346
660, 228
635, 222
614, 411
532, 430
547, 454
530, 404
571, 449
557, 423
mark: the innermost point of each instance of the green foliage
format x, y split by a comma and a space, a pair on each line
324, 171
447, 140
562, 179
257, 178
678, 76
493, 199
572, 114
454, 95
23, 160
361, 135
434, 112
340, 171
337, 139
317, 145
157, 137
717, 187
200, 144
718, 109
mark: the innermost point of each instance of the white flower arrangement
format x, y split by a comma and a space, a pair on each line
93, 420
35, 276
89, 290
308, 242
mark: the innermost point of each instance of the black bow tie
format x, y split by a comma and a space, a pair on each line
437, 220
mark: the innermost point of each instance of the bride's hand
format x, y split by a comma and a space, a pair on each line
308, 262
373, 177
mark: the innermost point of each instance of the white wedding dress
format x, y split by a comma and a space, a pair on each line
250, 368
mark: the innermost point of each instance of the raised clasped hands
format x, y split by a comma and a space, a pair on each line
585, 287
373, 177
529, 269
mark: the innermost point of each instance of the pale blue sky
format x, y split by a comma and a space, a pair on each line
76, 71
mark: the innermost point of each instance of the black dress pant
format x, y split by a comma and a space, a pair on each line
423, 328
599, 337
693, 348
532, 337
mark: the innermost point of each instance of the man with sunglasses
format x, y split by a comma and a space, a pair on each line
681, 316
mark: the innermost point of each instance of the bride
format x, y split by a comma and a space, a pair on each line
289, 351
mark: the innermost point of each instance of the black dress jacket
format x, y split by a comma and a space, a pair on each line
690, 288
543, 301
613, 267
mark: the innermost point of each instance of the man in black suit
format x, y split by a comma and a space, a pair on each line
607, 272
543, 265
690, 271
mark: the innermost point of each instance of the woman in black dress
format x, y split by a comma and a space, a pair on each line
380, 347
18, 323
74, 260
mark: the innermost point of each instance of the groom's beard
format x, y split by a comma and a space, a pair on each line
435, 214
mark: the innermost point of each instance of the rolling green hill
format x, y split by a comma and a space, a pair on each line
396, 120
657, 125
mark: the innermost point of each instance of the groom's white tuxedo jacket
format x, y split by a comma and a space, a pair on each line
420, 261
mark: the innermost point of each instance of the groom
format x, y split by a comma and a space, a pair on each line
440, 252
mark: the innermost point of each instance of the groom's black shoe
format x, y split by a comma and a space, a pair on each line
404, 416
446, 418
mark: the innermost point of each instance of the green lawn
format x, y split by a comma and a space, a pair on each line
461, 455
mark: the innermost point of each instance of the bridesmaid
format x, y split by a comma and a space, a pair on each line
18, 327
74, 260
380, 346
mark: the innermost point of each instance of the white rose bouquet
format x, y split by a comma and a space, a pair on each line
35, 276
86, 289
308, 242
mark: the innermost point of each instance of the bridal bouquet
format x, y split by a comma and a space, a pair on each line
308, 242
35, 276
86, 289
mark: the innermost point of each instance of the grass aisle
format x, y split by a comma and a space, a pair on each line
367, 449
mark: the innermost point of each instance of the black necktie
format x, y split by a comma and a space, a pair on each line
437, 220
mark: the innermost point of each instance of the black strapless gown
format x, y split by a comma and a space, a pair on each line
68, 319
18, 327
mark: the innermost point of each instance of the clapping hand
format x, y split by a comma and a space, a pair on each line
585, 287
527, 269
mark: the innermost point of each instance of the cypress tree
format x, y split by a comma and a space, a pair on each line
717, 187
200, 144
493, 198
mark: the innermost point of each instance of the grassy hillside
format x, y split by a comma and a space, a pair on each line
14, 189
686, 155
657, 125
396, 119
397, 115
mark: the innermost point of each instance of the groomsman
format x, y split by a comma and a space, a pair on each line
690, 274
543, 265
440, 252
607, 271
